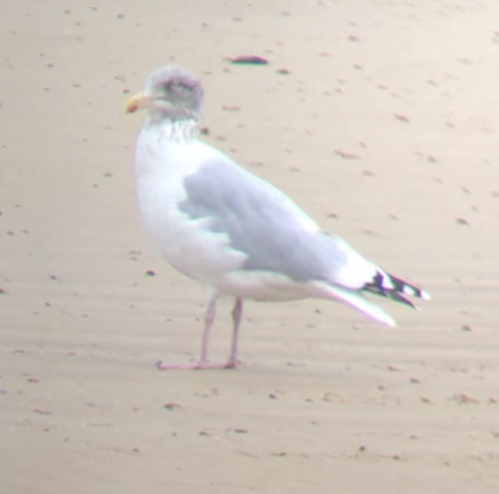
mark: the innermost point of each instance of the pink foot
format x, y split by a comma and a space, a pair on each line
196, 365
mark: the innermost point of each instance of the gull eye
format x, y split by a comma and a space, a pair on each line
174, 87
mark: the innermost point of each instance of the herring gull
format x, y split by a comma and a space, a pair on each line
230, 230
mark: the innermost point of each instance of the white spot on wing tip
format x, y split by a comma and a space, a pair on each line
407, 290
387, 282
425, 295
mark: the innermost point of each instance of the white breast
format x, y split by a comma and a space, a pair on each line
187, 244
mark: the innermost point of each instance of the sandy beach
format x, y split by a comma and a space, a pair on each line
379, 118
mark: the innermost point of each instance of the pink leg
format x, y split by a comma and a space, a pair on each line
209, 318
237, 313
204, 363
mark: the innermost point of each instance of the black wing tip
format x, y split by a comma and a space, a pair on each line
386, 285
406, 288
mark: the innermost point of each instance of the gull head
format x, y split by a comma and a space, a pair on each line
171, 93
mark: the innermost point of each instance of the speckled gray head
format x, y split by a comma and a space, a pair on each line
171, 93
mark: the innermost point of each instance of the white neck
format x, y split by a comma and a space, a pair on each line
179, 131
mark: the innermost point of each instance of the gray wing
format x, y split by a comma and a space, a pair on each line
261, 222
